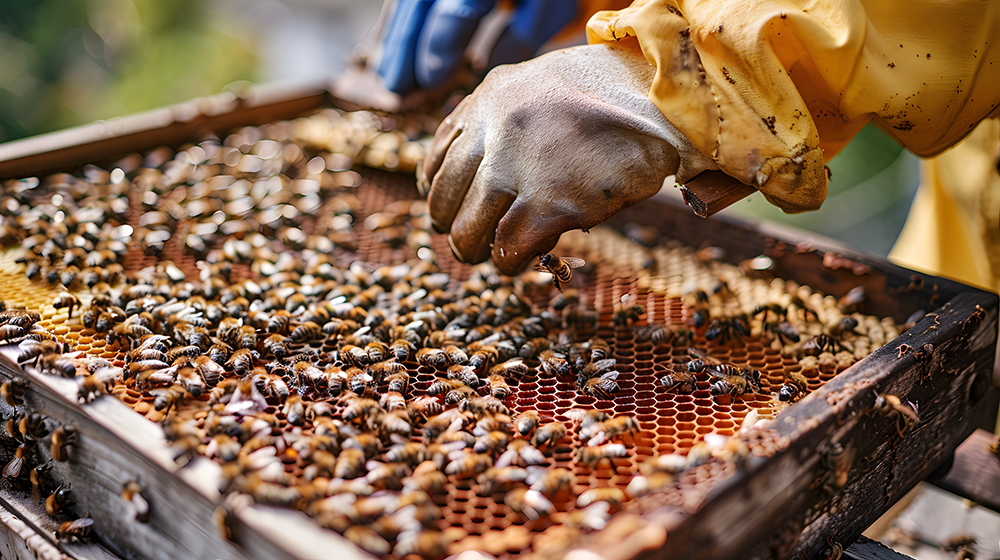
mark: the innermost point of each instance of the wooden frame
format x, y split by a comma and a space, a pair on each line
845, 460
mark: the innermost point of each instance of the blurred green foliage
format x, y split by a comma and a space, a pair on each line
69, 62
872, 185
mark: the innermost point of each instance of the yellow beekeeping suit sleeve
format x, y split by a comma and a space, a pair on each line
954, 224
772, 89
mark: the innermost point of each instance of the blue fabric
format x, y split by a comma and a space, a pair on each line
426, 39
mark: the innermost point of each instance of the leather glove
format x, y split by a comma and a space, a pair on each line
426, 39
547, 146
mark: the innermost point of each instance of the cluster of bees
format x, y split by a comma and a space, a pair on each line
304, 332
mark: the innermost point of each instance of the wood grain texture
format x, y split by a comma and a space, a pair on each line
867, 549
975, 473
712, 191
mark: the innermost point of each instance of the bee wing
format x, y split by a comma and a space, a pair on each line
573, 262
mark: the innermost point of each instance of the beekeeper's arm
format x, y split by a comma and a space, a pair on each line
765, 91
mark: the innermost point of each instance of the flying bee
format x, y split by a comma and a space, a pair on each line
498, 386
549, 434
683, 381
66, 300
13, 390
59, 499
78, 529
554, 481
561, 268
592, 456
62, 438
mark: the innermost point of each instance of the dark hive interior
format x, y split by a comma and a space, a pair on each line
320, 261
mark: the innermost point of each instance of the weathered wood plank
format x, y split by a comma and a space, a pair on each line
839, 426
713, 191
867, 549
975, 473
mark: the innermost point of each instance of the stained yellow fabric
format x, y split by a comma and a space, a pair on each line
773, 89
953, 228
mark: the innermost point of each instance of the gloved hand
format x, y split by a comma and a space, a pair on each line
550, 145
426, 39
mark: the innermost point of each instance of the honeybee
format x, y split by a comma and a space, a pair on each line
469, 464
279, 322
599, 349
520, 451
795, 384
360, 409
56, 364
441, 386
402, 349
412, 453
627, 314
425, 407
350, 464
532, 503
526, 422
614, 496
59, 499
488, 443
549, 434
458, 395
514, 367
66, 300
277, 345
31, 350
368, 539
891, 406
852, 300
16, 464
819, 344
612, 428
247, 337
132, 493
465, 374
242, 360
377, 351
785, 332
38, 476
306, 331
554, 481
427, 543
498, 386
554, 363
592, 456
392, 400
727, 330
729, 384
602, 386
13, 390
432, 358
32, 427
561, 268
78, 529
396, 422
682, 381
